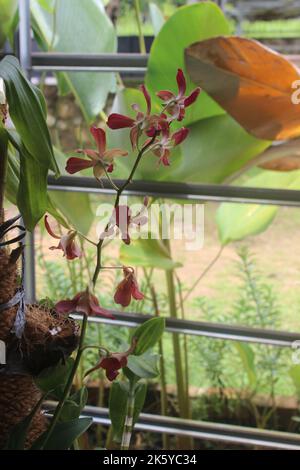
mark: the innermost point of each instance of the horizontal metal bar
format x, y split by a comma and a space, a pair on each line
200, 192
199, 328
117, 62
200, 429
134, 63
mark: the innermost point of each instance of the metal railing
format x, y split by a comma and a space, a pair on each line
137, 63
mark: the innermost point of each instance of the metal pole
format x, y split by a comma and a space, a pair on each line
25, 61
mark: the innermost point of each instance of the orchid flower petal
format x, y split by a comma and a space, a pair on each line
100, 138
181, 82
75, 164
119, 121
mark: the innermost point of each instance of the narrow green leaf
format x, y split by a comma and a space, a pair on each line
247, 357
54, 378
148, 334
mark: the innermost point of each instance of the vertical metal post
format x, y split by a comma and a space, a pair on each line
24, 35
25, 61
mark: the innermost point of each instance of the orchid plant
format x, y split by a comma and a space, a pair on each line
150, 133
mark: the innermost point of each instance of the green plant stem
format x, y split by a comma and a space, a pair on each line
185, 344
128, 425
69, 383
119, 193
139, 26
3, 167
163, 381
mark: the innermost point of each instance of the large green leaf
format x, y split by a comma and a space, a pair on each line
8, 10
32, 196
76, 207
27, 113
148, 254
188, 24
215, 148
81, 26
14, 190
237, 221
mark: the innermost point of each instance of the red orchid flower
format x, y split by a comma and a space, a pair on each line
123, 219
66, 242
175, 104
162, 148
113, 362
128, 288
83, 302
100, 159
142, 122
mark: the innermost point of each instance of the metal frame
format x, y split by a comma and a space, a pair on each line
136, 63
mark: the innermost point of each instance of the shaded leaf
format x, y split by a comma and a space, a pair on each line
145, 366
64, 434
82, 26
283, 157
8, 10
250, 81
55, 378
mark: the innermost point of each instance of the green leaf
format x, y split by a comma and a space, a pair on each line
27, 114
12, 186
147, 253
294, 373
157, 18
148, 334
64, 434
215, 148
54, 378
237, 221
76, 207
144, 366
82, 26
8, 10
32, 191
247, 357
118, 405
17, 437
74, 405
187, 25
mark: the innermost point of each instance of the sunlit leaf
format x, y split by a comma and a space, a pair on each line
251, 82
149, 253
237, 221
